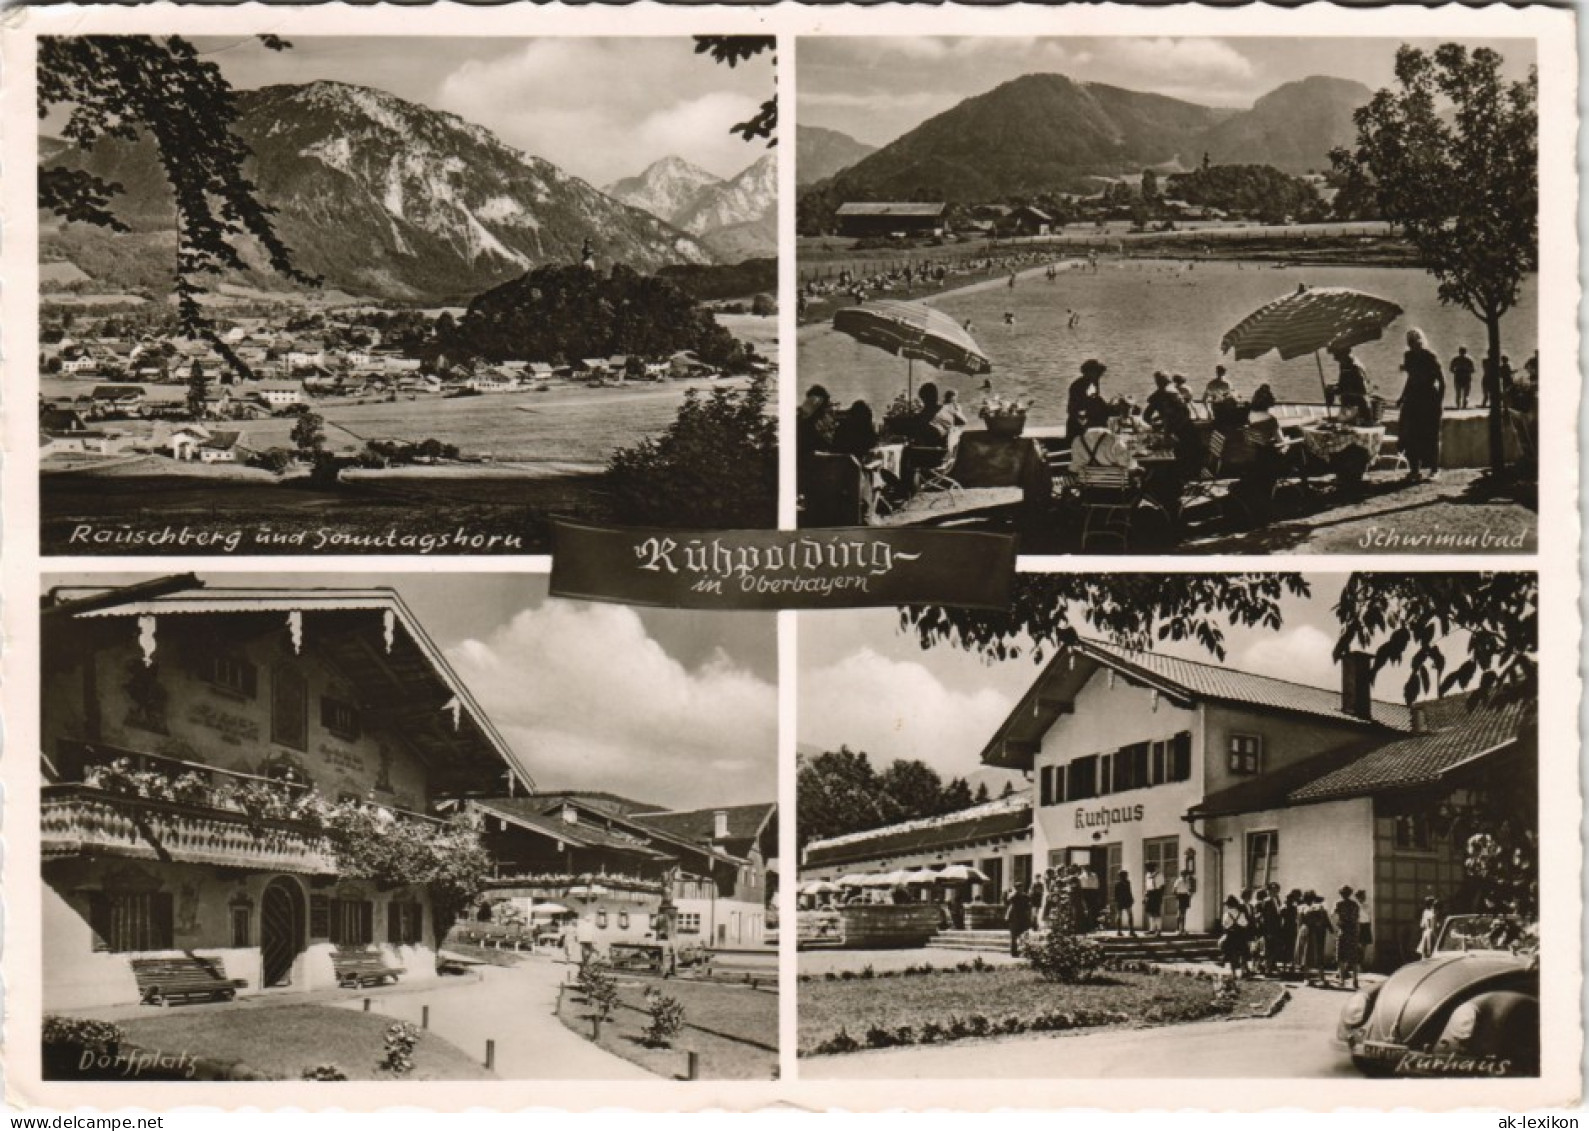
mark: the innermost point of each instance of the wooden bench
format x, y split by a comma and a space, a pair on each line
164, 980
356, 969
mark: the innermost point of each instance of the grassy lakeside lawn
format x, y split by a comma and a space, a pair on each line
280, 1043
727, 1010
861, 1004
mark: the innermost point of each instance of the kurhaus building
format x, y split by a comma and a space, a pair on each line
183, 730
1230, 779
1236, 779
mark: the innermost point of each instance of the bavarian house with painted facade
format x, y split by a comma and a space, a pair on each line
189, 733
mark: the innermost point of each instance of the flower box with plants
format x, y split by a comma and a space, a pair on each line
1005, 416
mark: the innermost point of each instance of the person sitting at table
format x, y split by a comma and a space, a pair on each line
1085, 405
923, 427
949, 415
1100, 446
1351, 387
856, 432
1165, 409
1219, 389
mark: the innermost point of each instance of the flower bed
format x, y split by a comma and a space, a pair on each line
847, 1015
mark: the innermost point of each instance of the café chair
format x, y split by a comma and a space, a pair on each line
1109, 500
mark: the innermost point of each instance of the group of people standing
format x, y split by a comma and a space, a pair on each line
1263, 933
1081, 891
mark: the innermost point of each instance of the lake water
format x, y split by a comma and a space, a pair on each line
1138, 316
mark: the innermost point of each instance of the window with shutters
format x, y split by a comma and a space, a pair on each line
233, 675
289, 708
1246, 753
1263, 858
131, 921
405, 923
352, 922
339, 717
1046, 778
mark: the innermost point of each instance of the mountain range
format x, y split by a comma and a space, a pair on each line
378, 195
820, 152
736, 218
1047, 132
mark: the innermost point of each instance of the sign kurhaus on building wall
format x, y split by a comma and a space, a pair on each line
1105, 816
778, 569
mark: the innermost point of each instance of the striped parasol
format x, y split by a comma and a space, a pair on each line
1307, 321
914, 331
1310, 320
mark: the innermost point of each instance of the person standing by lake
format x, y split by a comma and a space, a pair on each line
1422, 405
1462, 376
1085, 406
1219, 389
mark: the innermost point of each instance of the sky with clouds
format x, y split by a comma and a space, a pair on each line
877, 88
865, 683
677, 708
599, 108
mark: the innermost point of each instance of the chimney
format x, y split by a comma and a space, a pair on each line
720, 824
1357, 684
1420, 718
570, 814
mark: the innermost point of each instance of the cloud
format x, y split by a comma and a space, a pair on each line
607, 108
590, 701
1182, 64
897, 709
1301, 655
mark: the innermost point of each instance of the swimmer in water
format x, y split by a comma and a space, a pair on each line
1009, 317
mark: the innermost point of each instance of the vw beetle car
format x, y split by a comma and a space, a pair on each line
1470, 1009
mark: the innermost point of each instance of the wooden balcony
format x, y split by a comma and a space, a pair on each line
80, 821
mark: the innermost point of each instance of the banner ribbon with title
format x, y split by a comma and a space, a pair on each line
838, 568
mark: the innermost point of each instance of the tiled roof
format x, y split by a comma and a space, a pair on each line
882, 208
1457, 733
745, 822
1212, 681
1012, 817
528, 813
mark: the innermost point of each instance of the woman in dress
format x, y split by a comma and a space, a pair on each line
1422, 405
1319, 928
1348, 943
1153, 902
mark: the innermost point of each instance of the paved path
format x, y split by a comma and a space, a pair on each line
516, 1007
1295, 1043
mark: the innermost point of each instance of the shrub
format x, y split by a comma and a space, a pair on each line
81, 1034
840, 1042
667, 1019
328, 1071
1061, 957
599, 986
401, 1038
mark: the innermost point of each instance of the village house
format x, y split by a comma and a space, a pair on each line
125, 400
191, 735
1230, 780
714, 865
279, 394
884, 219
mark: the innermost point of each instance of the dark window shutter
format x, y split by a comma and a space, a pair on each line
319, 917
1183, 756
394, 922
366, 922
250, 679
162, 921
1107, 779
